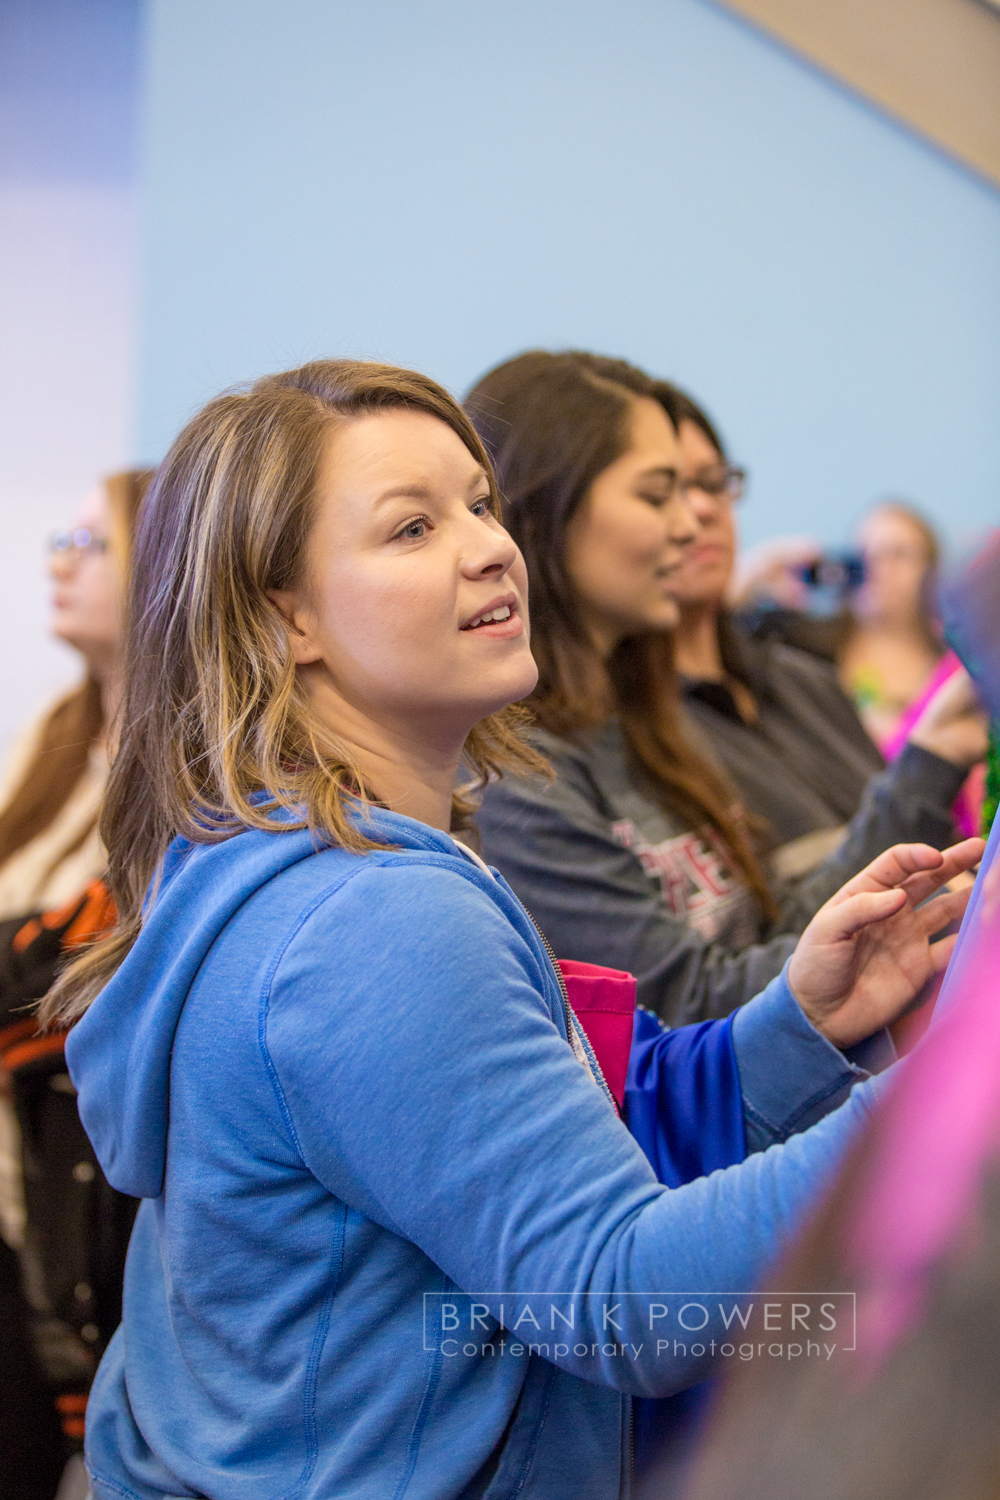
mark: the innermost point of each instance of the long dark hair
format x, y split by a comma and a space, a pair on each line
77, 721
552, 423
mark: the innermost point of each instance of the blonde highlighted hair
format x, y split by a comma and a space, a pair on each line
217, 734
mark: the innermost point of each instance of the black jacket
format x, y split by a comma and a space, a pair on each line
805, 764
78, 1227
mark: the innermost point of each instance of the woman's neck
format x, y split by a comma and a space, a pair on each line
697, 653
409, 778
410, 765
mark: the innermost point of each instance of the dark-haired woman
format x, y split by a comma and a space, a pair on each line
779, 720
381, 1170
70, 1227
644, 853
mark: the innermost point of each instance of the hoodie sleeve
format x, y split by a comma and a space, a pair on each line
428, 1084
790, 1074
594, 901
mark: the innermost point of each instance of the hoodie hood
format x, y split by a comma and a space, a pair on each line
119, 1052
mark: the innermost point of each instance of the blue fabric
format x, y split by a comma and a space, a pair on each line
684, 1105
700, 1098
342, 1084
791, 1076
683, 1101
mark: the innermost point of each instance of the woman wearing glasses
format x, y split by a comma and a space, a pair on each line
649, 852
779, 721
54, 782
70, 1227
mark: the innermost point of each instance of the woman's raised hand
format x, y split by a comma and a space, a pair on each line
867, 953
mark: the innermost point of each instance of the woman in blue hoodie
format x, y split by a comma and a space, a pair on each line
395, 1239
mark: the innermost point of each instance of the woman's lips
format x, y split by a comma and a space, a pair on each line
500, 630
708, 552
507, 624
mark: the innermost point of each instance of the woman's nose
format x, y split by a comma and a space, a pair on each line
494, 555
682, 520
704, 507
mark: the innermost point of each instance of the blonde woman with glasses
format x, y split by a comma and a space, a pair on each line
54, 780
69, 1227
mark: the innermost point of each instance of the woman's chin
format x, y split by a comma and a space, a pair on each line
62, 630
506, 688
665, 616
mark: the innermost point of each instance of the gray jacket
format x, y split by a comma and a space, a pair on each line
612, 878
804, 762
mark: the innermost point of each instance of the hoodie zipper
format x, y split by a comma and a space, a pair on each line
567, 1008
571, 1031
572, 1034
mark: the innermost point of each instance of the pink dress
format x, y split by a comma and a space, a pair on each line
969, 802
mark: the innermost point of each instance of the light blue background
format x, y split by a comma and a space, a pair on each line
447, 182
69, 81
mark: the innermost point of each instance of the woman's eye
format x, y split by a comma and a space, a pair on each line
481, 507
414, 530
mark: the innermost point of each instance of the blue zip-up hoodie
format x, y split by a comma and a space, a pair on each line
342, 1085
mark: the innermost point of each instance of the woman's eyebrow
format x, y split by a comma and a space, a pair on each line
659, 471
410, 491
417, 490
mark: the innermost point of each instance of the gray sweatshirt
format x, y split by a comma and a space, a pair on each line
613, 878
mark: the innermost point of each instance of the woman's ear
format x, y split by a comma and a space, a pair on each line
294, 619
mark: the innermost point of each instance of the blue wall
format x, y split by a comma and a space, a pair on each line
447, 182
69, 80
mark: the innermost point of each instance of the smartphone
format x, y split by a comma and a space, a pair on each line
841, 572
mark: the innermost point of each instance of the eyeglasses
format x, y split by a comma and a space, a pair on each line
76, 543
718, 481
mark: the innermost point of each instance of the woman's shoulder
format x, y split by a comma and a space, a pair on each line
411, 922
275, 914
293, 879
796, 673
390, 893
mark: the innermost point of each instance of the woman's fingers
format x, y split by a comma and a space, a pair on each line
955, 861
941, 952
962, 856
891, 869
938, 913
918, 867
851, 916
956, 696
